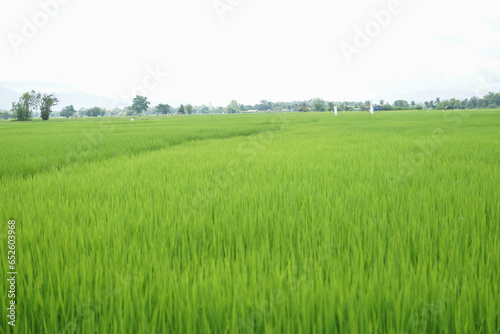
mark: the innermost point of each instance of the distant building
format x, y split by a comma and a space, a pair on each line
377, 108
448, 108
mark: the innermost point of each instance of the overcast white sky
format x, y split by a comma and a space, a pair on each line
279, 50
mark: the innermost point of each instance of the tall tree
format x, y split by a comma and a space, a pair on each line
28, 103
264, 105
163, 109
68, 111
21, 110
48, 101
233, 107
181, 110
35, 101
189, 109
140, 104
318, 105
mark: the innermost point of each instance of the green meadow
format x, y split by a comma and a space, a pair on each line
254, 223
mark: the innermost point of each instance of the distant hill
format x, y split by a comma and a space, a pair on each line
83, 100
8, 96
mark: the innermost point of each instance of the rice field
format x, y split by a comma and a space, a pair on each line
259, 223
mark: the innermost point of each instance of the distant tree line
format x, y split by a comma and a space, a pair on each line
33, 103
489, 101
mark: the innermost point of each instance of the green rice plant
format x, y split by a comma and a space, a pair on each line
260, 224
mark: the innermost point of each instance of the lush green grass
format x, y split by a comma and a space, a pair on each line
256, 223
38, 146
